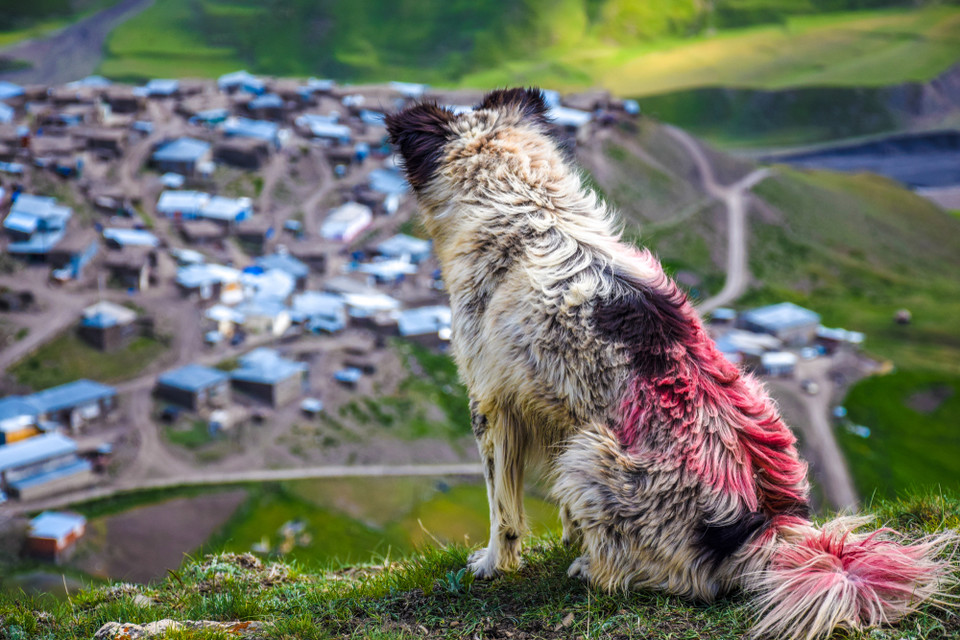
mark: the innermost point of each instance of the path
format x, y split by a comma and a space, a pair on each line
826, 460
72, 52
264, 475
734, 199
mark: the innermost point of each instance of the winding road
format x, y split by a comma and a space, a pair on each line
72, 52
826, 460
734, 199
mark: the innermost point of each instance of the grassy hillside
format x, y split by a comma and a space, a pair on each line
23, 20
632, 47
426, 596
855, 248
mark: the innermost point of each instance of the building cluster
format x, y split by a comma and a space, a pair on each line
772, 339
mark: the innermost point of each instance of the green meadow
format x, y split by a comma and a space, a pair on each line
631, 48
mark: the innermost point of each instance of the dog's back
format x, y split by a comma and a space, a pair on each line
672, 467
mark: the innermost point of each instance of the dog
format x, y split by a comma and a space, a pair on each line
672, 468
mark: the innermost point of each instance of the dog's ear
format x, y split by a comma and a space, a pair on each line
529, 102
420, 134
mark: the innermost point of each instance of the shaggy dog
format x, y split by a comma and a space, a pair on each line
673, 469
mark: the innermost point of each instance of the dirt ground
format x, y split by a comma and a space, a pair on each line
71, 53
129, 546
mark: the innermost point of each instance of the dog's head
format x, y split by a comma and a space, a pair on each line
501, 147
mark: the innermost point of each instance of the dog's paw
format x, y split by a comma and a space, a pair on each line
580, 569
483, 564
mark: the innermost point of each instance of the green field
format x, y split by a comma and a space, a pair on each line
427, 596
25, 20
914, 436
68, 358
632, 48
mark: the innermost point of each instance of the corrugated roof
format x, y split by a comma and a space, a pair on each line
284, 262
247, 128
189, 202
14, 407
22, 222
784, 315
182, 150
55, 524
266, 366
226, 209
131, 237
35, 449
193, 377
72, 394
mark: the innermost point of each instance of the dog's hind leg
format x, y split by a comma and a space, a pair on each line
503, 452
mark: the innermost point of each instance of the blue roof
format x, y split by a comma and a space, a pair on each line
266, 366
69, 395
162, 87
350, 374
77, 466
9, 90
39, 243
22, 222
402, 244
387, 181
285, 262
226, 209
54, 524
318, 303
43, 208
131, 237
246, 128
6, 113
784, 315
99, 320
266, 101
182, 150
193, 377
15, 406
35, 449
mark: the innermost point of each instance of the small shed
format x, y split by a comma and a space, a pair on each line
779, 363
53, 533
42, 465
267, 376
346, 222
182, 155
791, 323
75, 403
194, 386
107, 326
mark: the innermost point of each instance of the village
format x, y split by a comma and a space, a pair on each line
248, 248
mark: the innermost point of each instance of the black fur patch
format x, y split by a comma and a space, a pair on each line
478, 421
722, 541
648, 322
528, 101
420, 133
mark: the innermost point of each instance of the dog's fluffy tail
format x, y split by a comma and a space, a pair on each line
821, 579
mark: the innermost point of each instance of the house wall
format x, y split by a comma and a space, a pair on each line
179, 397
9, 437
78, 480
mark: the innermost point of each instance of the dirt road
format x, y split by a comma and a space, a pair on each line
73, 52
262, 475
734, 199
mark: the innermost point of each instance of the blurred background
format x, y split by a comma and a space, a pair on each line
222, 326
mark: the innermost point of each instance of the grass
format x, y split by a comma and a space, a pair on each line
914, 440
67, 358
631, 48
195, 435
42, 23
424, 596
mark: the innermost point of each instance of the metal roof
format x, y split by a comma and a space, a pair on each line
266, 101
266, 366
41, 207
107, 314
9, 90
402, 244
284, 262
388, 181
193, 377
55, 524
182, 150
72, 394
162, 87
39, 243
247, 128
226, 209
415, 322
188, 202
6, 113
131, 237
22, 222
15, 407
317, 303
784, 315
35, 449
198, 275
76, 466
